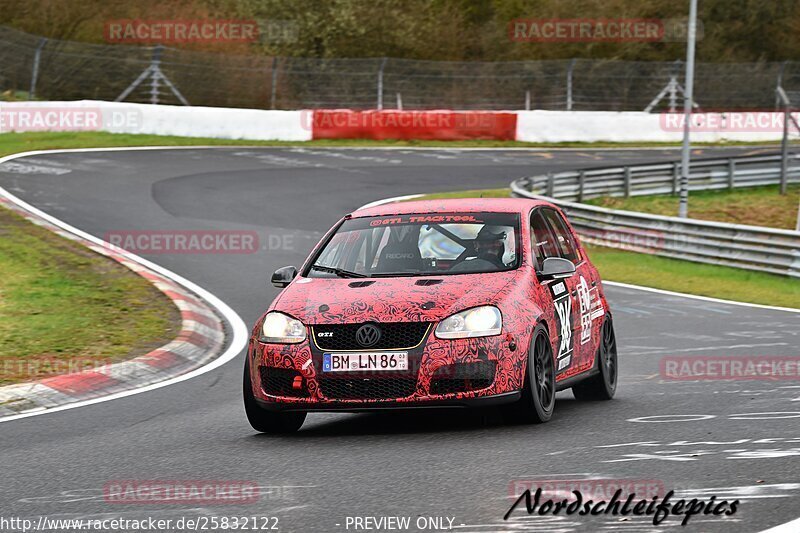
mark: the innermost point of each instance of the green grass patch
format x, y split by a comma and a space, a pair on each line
64, 307
20, 142
676, 275
695, 278
758, 206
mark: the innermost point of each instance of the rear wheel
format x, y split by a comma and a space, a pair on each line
263, 420
539, 394
602, 385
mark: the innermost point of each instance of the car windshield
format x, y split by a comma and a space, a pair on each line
420, 245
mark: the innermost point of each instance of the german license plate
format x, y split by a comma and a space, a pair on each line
358, 361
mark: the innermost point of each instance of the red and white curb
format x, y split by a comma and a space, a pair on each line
198, 348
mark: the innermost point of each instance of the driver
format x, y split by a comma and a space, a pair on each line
489, 248
489, 245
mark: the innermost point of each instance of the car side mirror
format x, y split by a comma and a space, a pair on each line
284, 276
556, 268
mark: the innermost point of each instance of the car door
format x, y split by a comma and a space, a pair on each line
587, 305
544, 244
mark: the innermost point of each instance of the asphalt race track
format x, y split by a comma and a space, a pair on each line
742, 442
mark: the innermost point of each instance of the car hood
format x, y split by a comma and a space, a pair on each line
404, 299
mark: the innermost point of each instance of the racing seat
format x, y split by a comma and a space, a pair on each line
400, 256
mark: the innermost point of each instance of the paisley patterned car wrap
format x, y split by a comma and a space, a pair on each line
522, 299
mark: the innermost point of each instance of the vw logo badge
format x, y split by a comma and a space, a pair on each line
368, 335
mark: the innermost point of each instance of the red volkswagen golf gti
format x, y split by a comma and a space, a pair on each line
434, 303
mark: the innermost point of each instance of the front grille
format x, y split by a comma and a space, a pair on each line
279, 382
463, 377
367, 388
394, 336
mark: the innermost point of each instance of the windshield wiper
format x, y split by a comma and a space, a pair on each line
338, 271
401, 274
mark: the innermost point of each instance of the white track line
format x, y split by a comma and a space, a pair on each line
239, 329
788, 527
696, 297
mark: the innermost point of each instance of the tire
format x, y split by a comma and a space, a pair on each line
602, 385
539, 393
264, 421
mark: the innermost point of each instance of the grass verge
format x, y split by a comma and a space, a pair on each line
676, 275
695, 278
64, 308
758, 206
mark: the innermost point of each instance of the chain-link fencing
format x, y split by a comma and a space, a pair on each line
38, 68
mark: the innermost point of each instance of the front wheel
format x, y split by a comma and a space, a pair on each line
539, 393
602, 385
267, 421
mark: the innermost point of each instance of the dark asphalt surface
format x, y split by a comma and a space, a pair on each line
434, 464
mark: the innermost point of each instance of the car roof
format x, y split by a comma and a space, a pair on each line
452, 205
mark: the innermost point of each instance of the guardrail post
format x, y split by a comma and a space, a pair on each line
794, 268
551, 185
797, 226
676, 177
731, 173
581, 184
785, 149
627, 182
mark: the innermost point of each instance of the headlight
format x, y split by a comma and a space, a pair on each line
282, 329
478, 322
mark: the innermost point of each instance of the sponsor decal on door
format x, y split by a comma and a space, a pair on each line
590, 306
563, 305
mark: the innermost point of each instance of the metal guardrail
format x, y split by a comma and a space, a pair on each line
775, 251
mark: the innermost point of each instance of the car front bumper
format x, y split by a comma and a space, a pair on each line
312, 390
